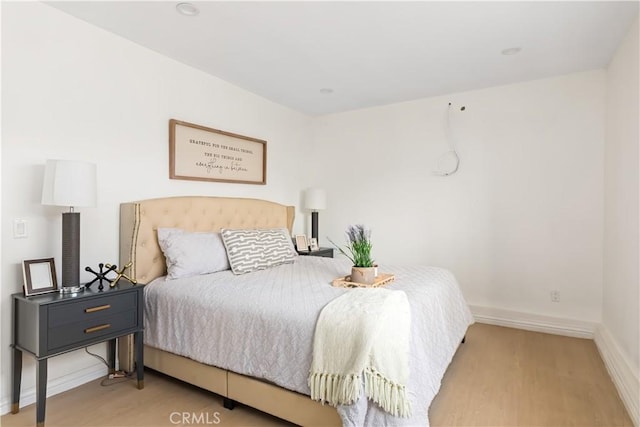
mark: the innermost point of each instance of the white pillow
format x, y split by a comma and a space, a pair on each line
252, 250
190, 254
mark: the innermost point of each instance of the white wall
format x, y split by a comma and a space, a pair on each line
73, 91
621, 288
522, 217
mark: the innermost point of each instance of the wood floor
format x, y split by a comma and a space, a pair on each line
499, 377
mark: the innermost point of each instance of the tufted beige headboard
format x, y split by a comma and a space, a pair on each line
140, 220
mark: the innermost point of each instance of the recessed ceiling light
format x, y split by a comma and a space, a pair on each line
511, 51
326, 90
187, 9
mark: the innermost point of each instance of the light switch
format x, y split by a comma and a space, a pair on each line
20, 228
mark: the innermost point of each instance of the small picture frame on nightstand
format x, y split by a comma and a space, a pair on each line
301, 243
39, 276
313, 244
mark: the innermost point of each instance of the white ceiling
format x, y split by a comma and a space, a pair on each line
370, 53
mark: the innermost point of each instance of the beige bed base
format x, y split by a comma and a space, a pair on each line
139, 244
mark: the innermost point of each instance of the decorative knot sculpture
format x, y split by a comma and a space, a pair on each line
120, 274
102, 275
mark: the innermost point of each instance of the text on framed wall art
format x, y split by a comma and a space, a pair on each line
204, 154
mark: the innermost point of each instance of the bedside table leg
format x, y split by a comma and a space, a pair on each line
16, 359
139, 344
111, 356
41, 391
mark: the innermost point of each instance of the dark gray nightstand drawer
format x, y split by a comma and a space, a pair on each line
76, 333
86, 311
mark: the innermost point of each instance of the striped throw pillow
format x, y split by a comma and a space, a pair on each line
252, 250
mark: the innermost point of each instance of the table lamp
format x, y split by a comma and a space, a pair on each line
73, 184
315, 200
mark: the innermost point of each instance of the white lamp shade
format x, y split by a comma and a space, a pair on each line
315, 199
69, 183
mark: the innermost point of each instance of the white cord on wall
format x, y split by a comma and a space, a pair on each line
451, 153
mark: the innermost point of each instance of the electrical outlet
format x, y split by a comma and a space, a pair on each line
20, 228
555, 296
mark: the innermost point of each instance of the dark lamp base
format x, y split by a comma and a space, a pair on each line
314, 225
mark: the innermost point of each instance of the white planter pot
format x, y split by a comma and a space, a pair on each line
366, 275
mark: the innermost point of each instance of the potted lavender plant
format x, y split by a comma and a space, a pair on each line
358, 250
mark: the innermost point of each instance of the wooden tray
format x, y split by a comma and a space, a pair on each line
381, 280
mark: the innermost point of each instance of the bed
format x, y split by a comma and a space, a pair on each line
262, 326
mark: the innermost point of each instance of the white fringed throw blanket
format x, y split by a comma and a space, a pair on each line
363, 333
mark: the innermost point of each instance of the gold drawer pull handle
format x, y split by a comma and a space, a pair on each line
97, 328
98, 308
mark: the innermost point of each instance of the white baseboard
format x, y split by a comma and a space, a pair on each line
625, 379
58, 385
533, 322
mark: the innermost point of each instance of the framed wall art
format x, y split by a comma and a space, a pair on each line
200, 153
313, 244
39, 276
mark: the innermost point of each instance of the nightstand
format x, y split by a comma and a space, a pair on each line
51, 324
323, 252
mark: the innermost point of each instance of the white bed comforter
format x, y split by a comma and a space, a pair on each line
262, 324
